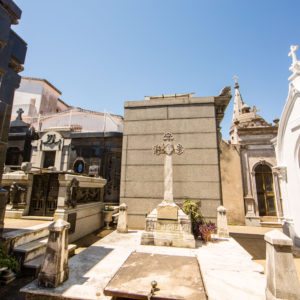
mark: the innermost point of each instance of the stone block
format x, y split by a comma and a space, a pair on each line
190, 157
191, 173
187, 112
282, 278
153, 113
54, 269
122, 226
167, 211
182, 190
189, 140
174, 126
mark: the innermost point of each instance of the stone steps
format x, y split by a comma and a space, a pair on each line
34, 265
31, 250
22, 236
270, 221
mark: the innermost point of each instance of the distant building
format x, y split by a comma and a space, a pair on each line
250, 189
82, 141
288, 153
37, 97
20, 137
12, 56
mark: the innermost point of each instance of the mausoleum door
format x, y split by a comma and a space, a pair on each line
44, 195
265, 190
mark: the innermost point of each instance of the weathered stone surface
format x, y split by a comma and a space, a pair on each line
167, 211
122, 219
174, 126
222, 225
193, 122
195, 140
55, 270
282, 278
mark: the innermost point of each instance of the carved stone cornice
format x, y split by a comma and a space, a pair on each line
281, 172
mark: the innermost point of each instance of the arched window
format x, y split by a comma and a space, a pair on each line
265, 190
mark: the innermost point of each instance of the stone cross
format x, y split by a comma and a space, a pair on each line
168, 148
292, 53
20, 111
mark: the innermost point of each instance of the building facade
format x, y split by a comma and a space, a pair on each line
12, 58
194, 123
84, 142
288, 153
37, 97
250, 146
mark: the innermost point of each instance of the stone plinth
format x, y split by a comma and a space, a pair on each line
282, 279
222, 225
55, 270
80, 202
167, 211
122, 226
3, 200
168, 232
18, 204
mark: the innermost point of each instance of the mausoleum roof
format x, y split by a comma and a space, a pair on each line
81, 120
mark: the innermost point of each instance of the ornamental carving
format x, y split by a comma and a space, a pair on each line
71, 200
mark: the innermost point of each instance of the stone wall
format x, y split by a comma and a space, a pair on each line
232, 184
192, 121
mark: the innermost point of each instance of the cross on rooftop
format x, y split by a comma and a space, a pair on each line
20, 111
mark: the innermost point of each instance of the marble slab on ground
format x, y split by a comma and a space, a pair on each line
177, 278
227, 269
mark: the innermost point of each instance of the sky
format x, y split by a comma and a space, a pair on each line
102, 53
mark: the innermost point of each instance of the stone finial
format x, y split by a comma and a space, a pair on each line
122, 226
282, 279
222, 225
55, 270
292, 53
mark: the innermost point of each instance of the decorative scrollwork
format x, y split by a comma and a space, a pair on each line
71, 200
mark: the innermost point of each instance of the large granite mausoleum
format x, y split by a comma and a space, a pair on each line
195, 124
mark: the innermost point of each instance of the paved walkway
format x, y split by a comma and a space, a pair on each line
227, 269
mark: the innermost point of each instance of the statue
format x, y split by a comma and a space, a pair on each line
71, 200
15, 195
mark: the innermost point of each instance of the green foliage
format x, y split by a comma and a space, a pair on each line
8, 261
190, 207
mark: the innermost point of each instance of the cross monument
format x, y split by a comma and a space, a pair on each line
168, 148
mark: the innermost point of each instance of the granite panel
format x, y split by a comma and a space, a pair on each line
174, 126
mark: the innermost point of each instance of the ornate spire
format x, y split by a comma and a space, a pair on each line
238, 101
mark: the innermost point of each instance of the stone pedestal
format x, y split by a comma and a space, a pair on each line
282, 279
251, 218
168, 231
3, 201
222, 225
55, 270
122, 226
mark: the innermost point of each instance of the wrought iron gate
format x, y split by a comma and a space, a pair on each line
44, 195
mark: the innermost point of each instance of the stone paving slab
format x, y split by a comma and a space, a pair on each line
227, 269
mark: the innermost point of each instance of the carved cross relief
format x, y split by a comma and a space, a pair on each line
168, 148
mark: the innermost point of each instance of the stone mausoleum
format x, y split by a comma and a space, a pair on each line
250, 185
195, 124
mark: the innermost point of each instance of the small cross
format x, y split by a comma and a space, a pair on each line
20, 111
